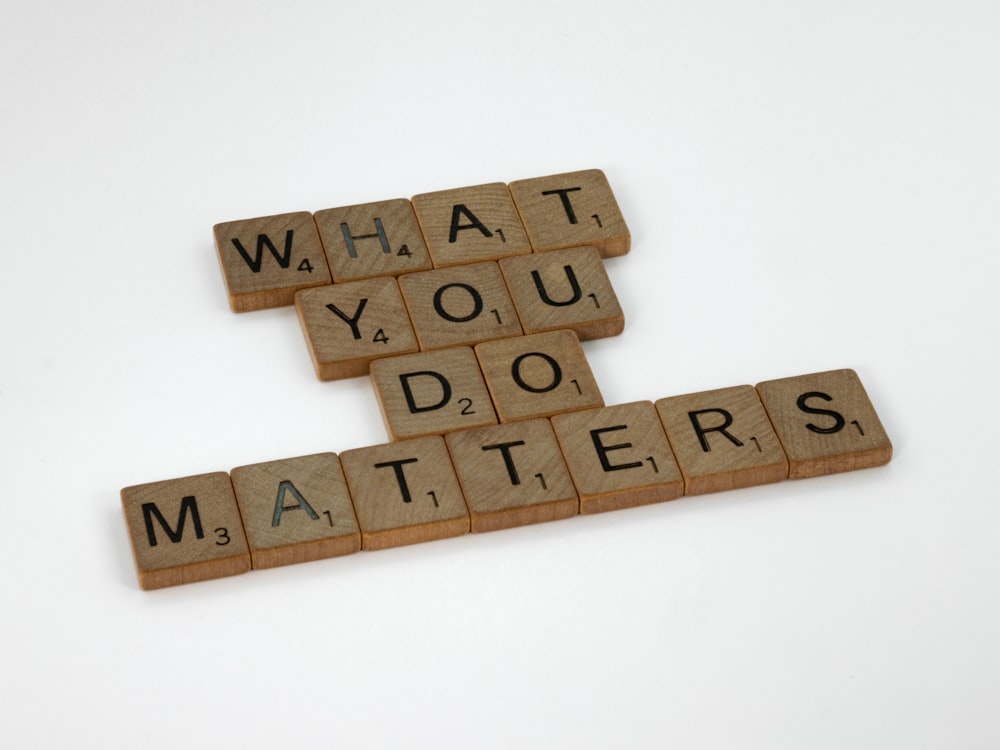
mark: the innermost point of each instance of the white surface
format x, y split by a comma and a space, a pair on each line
809, 186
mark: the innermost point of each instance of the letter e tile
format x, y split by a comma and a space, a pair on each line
538, 375
618, 457
512, 475
470, 224
564, 289
571, 209
826, 423
266, 260
405, 493
722, 440
296, 510
349, 325
431, 393
185, 530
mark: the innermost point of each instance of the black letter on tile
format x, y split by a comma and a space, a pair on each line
352, 322
262, 240
188, 505
404, 380
838, 419
567, 206
379, 233
397, 466
457, 210
573, 283
515, 371
280, 507
602, 449
727, 419
504, 448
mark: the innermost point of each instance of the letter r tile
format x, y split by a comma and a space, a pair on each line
618, 456
722, 440
266, 260
349, 325
296, 510
185, 530
470, 224
405, 493
372, 239
512, 475
431, 393
569, 210
826, 423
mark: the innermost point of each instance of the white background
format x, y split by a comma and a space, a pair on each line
809, 186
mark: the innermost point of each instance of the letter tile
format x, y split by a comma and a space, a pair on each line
372, 239
459, 306
349, 325
538, 375
470, 224
618, 457
826, 423
296, 510
405, 493
512, 475
185, 530
569, 210
722, 440
432, 393
266, 260
564, 289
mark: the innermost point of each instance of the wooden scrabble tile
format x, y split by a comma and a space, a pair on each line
185, 530
405, 493
460, 305
571, 209
564, 289
372, 239
722, 440
618, 457
350, 324
265, 261
470, 224
826, 423
512, 475
296, 510
431, 393
538, 375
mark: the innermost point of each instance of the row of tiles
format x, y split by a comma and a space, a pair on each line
349, 325
500, 476
266, 260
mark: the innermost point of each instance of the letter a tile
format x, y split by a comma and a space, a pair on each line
372, 239
722, 440
826, 423
512, 475
350, 324
185, 530
618, 457
296, 510
569, 210
265, 261
405, 493
470, 224
564, 289
431, 393
538, 375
